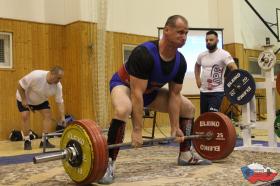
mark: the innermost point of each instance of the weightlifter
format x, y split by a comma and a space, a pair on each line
211, 81
138, 84
32, 94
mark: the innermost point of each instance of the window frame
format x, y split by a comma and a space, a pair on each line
8, 51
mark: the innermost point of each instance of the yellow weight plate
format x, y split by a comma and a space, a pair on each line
77, 133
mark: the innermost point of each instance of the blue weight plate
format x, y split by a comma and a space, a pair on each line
240, 87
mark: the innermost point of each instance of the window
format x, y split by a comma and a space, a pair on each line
256, 71
127, 49
5, 50
253, 67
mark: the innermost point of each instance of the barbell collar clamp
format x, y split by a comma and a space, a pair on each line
69, 153
52, 156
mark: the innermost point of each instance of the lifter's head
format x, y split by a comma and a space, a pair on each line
175, 30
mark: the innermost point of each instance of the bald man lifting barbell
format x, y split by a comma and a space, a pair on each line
137, 84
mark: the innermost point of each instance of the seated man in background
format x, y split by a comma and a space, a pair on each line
32, 94
138, 84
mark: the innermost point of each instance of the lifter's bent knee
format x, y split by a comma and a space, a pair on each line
123, 112
187, 109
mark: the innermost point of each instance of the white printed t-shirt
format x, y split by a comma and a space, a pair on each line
213, 69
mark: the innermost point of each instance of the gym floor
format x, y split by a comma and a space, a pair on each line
146, 166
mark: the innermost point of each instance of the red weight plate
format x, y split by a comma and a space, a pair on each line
224, 136
100, 149
232, 134
278, 83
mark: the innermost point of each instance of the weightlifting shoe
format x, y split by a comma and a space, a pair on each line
108, 178
193, 151
190, 158
48, 144
27, 145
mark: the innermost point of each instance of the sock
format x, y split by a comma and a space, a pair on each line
26, 138
60, 124
43, 138
186, 127
115, 135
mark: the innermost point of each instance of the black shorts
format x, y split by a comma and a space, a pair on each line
44, 105
210, 102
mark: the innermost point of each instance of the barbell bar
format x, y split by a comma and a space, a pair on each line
71, 152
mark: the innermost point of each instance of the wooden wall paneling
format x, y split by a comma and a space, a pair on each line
239, 54
55, 45
230, 48
111, 68
88, 62
54, 48
71, 59
236, 50
21, 53
78, 81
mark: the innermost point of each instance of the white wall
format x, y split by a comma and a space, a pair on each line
252, 32
226, 19
241, 24
88, 10
54, 11
31, 10
49, 11
143, 17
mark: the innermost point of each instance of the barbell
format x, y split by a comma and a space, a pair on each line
84, 150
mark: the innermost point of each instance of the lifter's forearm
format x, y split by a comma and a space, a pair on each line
174, 103
137, 110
